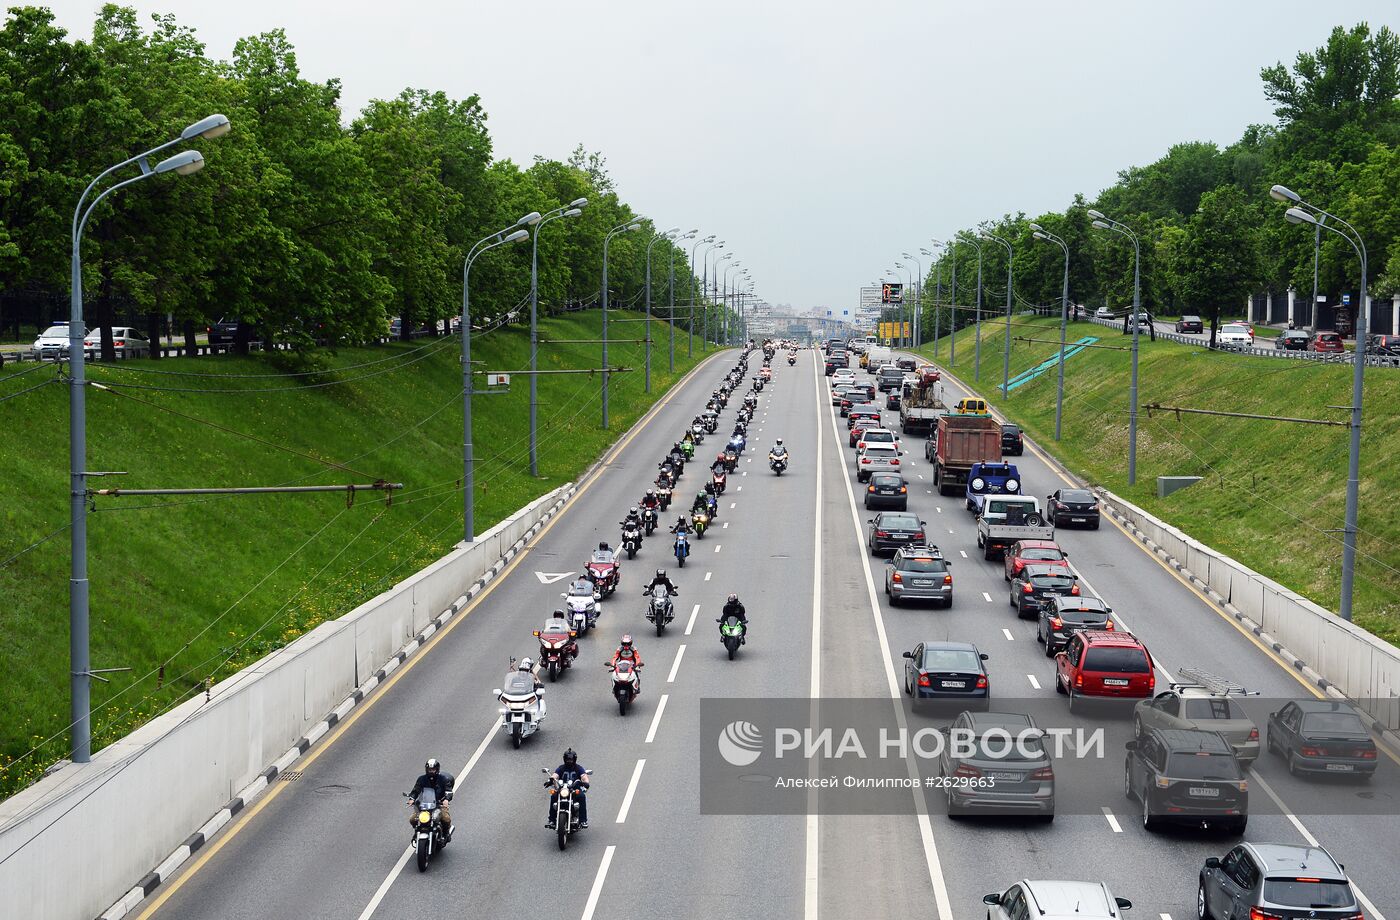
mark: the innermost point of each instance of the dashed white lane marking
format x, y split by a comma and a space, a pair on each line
921, 475
963, 552
694, 612
1007, 633
738, 488
1112, 821
631, 791
656, 719
950, 530
717, 546
707, 575
724, 526
1034, 683
680, 653
748, 459
930, 491
743, 472
938, 509
1165, 916
987, 597
731, 506
598, 879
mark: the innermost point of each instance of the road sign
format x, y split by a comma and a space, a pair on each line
549, 578
498, 380
892, 293
1346, 299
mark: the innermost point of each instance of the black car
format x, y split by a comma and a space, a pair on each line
999, 778
865, 390
1386, 345
905, 364
1012, 442
1072, 506
1033, 586
891, 378
835, 361
946, 671
1321, 736
1190, 324
1291, 340
892, 401
1186, 776
1063, 616
887, 490
890, 530
223, 332
1285, 881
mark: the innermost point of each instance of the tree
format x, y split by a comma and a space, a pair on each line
1217, 263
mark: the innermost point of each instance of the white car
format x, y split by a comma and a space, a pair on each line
877, 458
877, 436
52, 343
842, 375
1103, 313
127, 342
1056, 901
1233, 335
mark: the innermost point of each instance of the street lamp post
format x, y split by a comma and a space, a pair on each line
937, 295
632, 224
80, 664
671, 293
1041, 233
511, 234
652, 242
1100, 222
536, 220
705, 291
977, 346
1304, 213
1006, 356
918, 296
719, 309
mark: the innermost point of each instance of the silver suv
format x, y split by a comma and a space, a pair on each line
918, 572
1056, 901
1283, 880
877, 458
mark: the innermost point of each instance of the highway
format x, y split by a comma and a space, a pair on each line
332, 842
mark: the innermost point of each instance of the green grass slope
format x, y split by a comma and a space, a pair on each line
1273, 493
186, 590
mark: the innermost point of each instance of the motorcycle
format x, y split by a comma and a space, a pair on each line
522, 706
626, 683
428, 833
701, 523
710, 422
792, 359
557, 647
663, 493
660, 611
681, 548
777, 463
603, 575
697, 432
583, 611
719, 478
649, 520
738, 443
688, 448
731, 459
732, 633
714, 506
566, 808
631, 539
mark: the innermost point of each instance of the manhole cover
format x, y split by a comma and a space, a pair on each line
289, 776
332, 789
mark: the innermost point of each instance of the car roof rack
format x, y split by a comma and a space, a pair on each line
1219, 686
918, 548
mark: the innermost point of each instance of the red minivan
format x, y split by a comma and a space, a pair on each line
1105, 664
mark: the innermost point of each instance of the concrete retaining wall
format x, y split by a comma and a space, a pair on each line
137, 803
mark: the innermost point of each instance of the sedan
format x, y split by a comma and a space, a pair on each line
931, 445
990, 776
1073, 506
1321, 736
890, 530
127, 343
1291, 340
1190, 324
1034, 585
1103, 313
1234, 335
946, 671
843, 375
841, 392
887, 490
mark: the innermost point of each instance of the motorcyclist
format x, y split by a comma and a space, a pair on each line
734, 608
778, 451
633, 519
650, 501
559, 622
701, 505
626, 651
661, 578
682, 526
528, 667
721, 465
441, 783
571, 770
607, 553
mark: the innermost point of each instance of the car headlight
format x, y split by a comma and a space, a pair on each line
979, 484
1012, 485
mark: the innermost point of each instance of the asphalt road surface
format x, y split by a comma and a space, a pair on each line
332, 843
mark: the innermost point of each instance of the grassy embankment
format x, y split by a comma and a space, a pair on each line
1273, 493
207, 586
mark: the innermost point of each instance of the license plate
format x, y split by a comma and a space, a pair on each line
1006, 776
1204, 792
1339, 768
922, 582
1075, 520
901, 536
1114, 682
517, 717
955, 684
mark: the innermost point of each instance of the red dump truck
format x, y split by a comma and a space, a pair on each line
962, 441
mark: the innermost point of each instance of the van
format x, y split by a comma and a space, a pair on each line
971, 406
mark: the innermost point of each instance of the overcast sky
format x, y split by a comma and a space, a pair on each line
819, 139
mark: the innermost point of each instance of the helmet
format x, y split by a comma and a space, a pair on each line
525, 665
651, 493
733, 598
633, 509
432, 767
700, 495
570, 757
558, 613
660, 573
627, 640
603, 545
780, 442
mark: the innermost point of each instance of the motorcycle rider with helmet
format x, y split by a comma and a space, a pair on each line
734, 608
571, 770
633, 519
650, 500
701, 504
682, 526
779, 452
441, 782
661, 578
629, 652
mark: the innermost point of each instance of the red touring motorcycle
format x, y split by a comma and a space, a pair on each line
558, 649
602, 570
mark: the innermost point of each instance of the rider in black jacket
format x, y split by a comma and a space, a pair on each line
441, 783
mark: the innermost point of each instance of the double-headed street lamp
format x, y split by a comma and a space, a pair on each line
666, 235
714, 282
80, 670
572, 209
1107, 223
705, 291
671, 294
977, 347
722, 333
1302, 212
1006, 356
918, 298
690, 321
633, 224
1041, 233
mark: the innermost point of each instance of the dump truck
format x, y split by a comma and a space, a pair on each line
962, 441
921, 403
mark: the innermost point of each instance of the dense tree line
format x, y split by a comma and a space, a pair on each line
306, 229
1210, 234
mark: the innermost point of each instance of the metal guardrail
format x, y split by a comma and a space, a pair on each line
1323, 357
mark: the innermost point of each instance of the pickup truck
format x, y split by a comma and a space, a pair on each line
987, 479
1006, 519
962, 441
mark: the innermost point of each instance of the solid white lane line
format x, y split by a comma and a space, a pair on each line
963, 552
812, 865
707, 575
676, 665
598, 879
656, 719
1007, 633
694, 612
1034, 683
631, 791
987, 597
1112, 821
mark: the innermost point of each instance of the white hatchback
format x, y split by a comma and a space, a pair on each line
882, 436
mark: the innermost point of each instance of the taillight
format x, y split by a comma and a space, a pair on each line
1079, 680
919, 535
1311, 752
1258, 913
948, 580
870, 489
897, 578
882, 533
894, 462
1254, 734
1368, 754
1043, 773
1108, 624
1151, 681
121, 342
864, 459
982, 682
924, 681
1056, 623
1028, 589
1074, 591
902, 490
967, 770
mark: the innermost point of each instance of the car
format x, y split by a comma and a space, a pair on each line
1103, 313
1385, 345
887, 490
843, 376
858, 420
1012, 441
906, 364
1072, 506
1190, 324
126, 342
1141, 321
876, 458
1056, 900
1062, 616
1023, 551
865, 390
225, 330
890, 530
1326, 342
1186, 776
1035, 583
1104, 663
1234, 335
839, 391
1276, 880
919, 572
52, 343
893, 399
1321, 736
1291, 340
877, 436
838, 362
971, 405
1206, 702
990, 776
946, 671
889, 378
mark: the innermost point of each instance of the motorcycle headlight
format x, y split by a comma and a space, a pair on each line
424, 817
